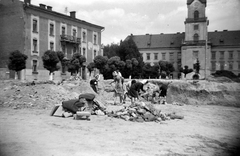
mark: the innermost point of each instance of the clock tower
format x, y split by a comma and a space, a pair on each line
195, 45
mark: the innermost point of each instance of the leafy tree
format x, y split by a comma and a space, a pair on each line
150, 71
166, 66
186, 70
115, 63
50, 61
17, 61
91, 67
100, 62
76, 63
110, 50
62, 59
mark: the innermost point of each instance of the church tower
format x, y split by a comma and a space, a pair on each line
195, 45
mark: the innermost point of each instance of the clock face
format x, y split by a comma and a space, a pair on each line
196, 4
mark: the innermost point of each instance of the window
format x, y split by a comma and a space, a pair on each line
163, 56
213, 55
195, 37
51, 30
230, 55
34, 66
196, 27
221, 55
63, 48
84, 36
148, 56
51, 46
74, 49
95, 39
179, 55
95, 54
196, 15
155, 56
84, 51
35, 26
171, 57
230, 65
221, 65
63, 30
195, 54
213, 65
35, 46
74, 32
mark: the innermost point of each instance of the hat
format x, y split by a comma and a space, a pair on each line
144, 81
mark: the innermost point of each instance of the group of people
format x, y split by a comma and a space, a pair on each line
131, 89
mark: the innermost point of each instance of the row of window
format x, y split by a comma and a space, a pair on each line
155, 56
222, 55
63, 31
223, 66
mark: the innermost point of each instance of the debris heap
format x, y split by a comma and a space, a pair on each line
142, 113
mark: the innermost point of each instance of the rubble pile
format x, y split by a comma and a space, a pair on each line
142, 113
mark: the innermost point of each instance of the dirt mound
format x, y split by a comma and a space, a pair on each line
44, 95
204, 93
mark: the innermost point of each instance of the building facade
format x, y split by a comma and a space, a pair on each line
35, 29
218, 50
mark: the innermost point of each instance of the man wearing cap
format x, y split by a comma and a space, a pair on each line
85, 101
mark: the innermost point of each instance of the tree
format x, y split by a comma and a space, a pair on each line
17, 61
115, 63
50, 60
62, 59
91, 67
100, 62
76, 63
110, 50
165, 66
186, 70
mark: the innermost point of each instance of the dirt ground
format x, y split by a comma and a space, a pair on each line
205, 130
29, 130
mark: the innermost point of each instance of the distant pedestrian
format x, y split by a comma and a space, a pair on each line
135, 89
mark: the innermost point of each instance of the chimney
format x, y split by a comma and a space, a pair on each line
27, 1
49, 8
43, 6
73, 14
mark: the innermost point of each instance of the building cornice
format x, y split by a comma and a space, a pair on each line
61, 15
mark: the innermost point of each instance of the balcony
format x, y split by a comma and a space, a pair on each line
70, 39
194, 20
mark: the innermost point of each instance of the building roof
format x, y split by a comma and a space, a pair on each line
225, 38
153, 41
158, 40
62, 15
202, 1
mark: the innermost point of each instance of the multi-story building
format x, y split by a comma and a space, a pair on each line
218, 50
35, 29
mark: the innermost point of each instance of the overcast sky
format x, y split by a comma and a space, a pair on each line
138, 17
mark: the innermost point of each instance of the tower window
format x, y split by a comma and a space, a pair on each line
196, 15
95, 39
195, 37
196, 27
